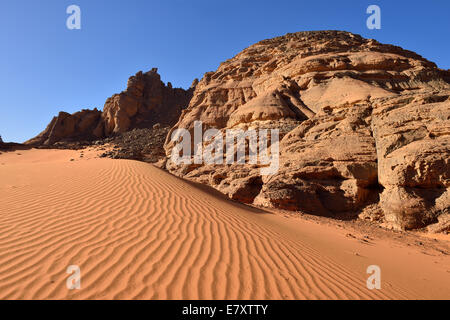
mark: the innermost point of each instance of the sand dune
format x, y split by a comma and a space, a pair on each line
138, 232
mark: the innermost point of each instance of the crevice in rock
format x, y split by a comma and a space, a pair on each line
249, 191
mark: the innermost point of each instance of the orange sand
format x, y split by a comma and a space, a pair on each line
139, 233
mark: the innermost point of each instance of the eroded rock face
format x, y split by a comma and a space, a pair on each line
361, 124
412, 134
145, 102
328, 165
70, 127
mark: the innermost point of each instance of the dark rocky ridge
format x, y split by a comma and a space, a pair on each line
138, 144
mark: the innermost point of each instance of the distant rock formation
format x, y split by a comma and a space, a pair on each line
364, 126
81, 125
145, 102
11, 146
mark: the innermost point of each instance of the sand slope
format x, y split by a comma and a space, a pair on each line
139, 233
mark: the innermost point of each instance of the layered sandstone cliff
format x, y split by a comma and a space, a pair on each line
145, 102
364, 126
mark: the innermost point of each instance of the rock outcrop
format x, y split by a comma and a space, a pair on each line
81, 125
412, 134
362, 125
145, 102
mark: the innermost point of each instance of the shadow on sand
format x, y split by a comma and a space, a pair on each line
217, 194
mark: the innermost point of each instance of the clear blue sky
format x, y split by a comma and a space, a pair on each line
46, 68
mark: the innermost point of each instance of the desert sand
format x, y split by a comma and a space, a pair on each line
138, 232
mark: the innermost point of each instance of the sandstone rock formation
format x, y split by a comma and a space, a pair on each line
412, 133
362, 125
69, 127
145, 102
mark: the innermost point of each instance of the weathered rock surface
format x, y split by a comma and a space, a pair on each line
145, 102
412, 133
69, 127
362, 124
